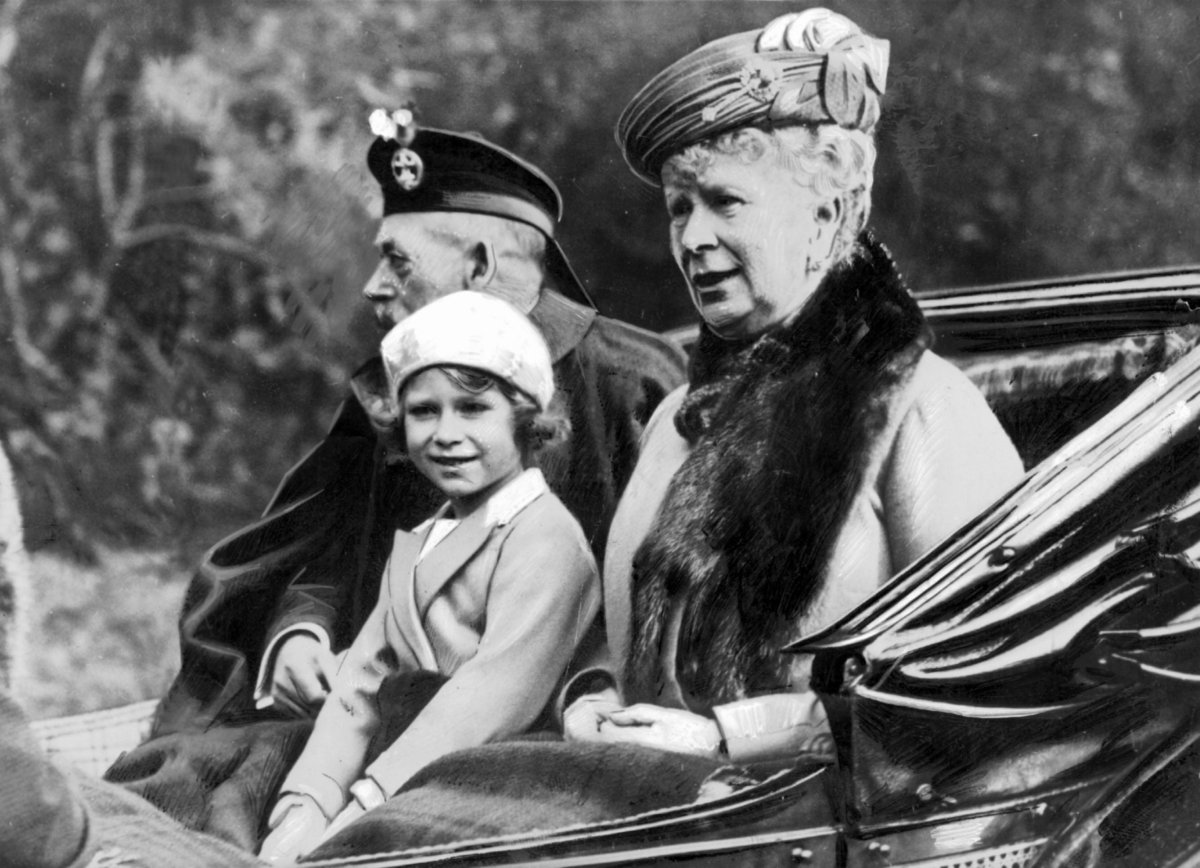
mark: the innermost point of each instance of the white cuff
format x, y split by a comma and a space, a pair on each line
262, 685
766, 727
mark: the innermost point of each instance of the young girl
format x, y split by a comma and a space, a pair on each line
495, 591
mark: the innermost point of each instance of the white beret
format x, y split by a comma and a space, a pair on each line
472, 330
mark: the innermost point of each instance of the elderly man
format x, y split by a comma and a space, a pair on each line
272, 604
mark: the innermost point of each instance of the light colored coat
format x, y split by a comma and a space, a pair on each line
499, 605
943, 459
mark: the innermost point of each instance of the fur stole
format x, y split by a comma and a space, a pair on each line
781, 430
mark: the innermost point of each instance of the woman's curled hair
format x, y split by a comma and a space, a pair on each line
830, 160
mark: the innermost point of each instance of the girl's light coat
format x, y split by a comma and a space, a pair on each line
499, 605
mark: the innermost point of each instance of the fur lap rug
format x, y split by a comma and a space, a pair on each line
224, 781
514, 787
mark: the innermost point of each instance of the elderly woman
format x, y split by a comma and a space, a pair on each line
819, 446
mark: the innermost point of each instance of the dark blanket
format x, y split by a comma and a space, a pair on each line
514, 787
224, 780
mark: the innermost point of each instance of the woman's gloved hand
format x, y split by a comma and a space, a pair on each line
670, 729
584, 719
297, 825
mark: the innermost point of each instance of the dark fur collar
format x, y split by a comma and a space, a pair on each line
781, 429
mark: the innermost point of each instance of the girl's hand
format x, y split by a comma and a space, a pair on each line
349, 814
367, 795
297, 825
670, 729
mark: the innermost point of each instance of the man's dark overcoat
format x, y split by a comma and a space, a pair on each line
318, 552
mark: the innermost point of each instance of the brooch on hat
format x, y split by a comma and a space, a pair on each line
399, 126
759, 80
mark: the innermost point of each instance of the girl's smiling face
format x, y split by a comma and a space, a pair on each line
743, 233
461, 440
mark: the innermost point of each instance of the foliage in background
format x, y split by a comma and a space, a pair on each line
105, 633
185, 219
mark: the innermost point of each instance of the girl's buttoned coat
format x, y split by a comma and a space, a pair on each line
499, 605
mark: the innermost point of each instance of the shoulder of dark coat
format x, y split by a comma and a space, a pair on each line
350, 419
338, 462
611, 344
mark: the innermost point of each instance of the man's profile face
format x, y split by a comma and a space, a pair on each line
420, 260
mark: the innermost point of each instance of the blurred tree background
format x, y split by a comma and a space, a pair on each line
185, 217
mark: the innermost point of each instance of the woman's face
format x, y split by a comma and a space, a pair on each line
742, 234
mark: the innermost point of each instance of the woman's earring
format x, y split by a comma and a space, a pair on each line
811, 266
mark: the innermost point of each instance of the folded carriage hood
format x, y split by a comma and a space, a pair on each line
1053, 640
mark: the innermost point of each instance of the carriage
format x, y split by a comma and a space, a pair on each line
1023, 695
